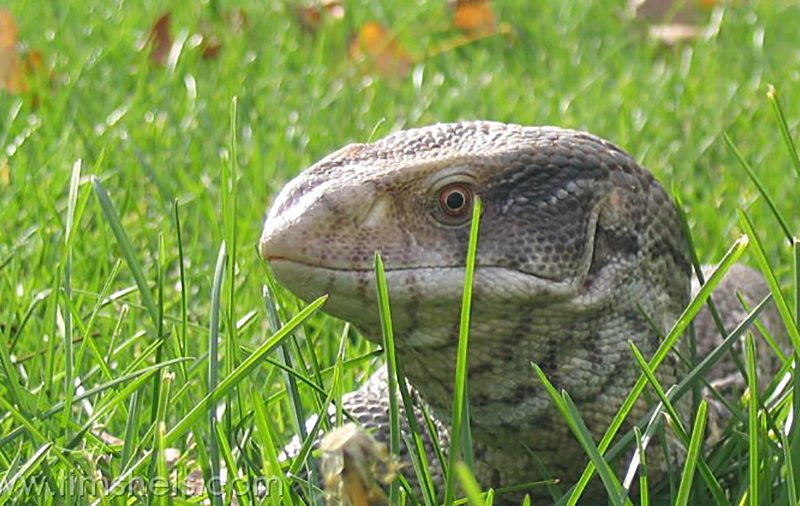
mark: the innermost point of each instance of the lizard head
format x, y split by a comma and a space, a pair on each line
568, 219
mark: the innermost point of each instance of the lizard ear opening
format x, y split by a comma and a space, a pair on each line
615, 240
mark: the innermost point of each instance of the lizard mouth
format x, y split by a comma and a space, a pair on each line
309, 280
274, 259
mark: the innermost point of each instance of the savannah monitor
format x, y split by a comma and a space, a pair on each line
580, 250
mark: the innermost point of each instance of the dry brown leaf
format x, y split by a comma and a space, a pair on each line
16, 69
679, 12
312, 16
354, 465
210, 47
677, 21
377, 47
309, 17
160, 39
474, 15
12, 78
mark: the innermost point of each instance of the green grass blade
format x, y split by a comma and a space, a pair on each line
677, 424
396, 380
241, 371
391, 365
66, 279
182, 277
695, 446
570, 414
752, 418
284, 356
460, 386
733, 254
9, 485
756, 181
777, 109
644, 489
126, 247
213, 371
794, 432
791, 478
772, 281
470, 485
236, 484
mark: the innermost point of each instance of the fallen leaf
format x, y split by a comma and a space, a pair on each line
474, 15
11, 75
210, 47
353, 467
309, 16
677, 21
376, 46
160, 39
669, 12
312, 16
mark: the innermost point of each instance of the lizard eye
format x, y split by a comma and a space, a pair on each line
455, 199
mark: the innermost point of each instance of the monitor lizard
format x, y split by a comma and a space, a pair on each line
580, 250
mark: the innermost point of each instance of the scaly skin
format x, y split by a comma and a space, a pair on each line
577, 244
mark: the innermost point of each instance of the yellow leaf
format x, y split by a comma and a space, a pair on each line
474, 16
377, 46
12, 78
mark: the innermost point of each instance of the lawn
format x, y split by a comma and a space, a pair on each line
134, 181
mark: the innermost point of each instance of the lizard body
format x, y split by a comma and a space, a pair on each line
580, 250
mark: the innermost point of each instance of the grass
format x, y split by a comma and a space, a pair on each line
131, 197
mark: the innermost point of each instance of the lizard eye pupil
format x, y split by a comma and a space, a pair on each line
455, 199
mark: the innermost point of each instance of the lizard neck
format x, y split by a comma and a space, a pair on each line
579, 351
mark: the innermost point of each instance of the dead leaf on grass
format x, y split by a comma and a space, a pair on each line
312, 16
377, 48
676, 21
12, 78
160, 39
474, 16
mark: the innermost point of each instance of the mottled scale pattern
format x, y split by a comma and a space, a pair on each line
580, 250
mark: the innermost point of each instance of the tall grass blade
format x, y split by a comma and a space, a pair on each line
213, 371
733, 254
397, 383
391, 364
777, 109
241, 371
794, 432
298, 413
66, 279
791, 478
9, 485
752, 418
470, 485
459, 420
112, 217
676, 423
772, 281
695, 446
756, 181
644, 489
570, 413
